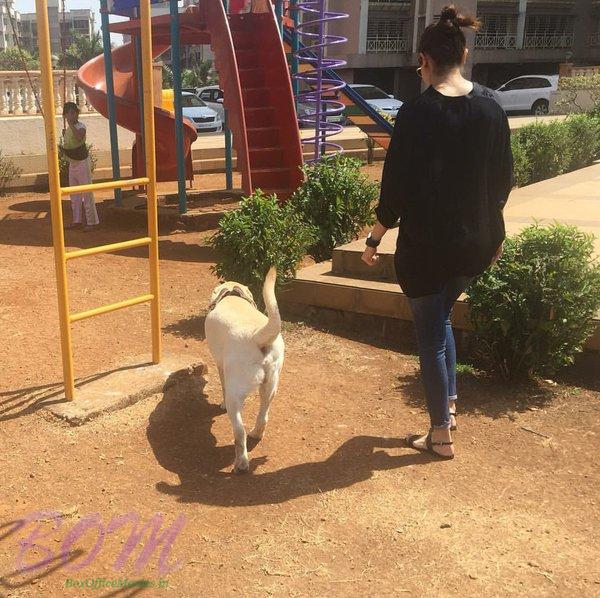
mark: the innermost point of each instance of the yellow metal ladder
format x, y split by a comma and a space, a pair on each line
61, 255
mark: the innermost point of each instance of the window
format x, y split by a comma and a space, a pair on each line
515, 85
538, 82
369, 92
190, 101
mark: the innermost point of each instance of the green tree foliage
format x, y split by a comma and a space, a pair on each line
82, 50
11, 60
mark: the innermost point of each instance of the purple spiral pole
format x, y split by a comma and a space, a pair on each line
318, 88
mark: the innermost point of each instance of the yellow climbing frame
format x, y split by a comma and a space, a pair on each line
61, 255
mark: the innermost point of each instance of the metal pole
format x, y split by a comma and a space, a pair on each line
295, 48
110, 100
176, 68
150, 150
137, 51
58, 239
228, 139
279, 15
228, 156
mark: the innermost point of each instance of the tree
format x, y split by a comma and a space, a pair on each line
200, 75
11, 60
82, 50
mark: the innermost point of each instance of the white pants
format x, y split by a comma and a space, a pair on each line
80, 174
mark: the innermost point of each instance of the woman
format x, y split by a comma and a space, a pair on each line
447, 176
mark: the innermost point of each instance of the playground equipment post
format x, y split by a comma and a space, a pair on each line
41, 7
176, 69
150, 147
110, 99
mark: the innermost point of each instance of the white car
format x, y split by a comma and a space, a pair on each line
308, 110
212, 96
378, 99
530, 93
205, 119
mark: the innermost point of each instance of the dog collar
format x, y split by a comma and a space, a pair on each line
231, 293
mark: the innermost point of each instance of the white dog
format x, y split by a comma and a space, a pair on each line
248, 349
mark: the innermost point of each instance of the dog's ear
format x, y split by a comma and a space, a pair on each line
217, 295
245, 293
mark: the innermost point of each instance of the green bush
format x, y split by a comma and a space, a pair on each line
337, 200
584, 139
522, 161
8, 172
545, 150
261, 233
533, 312
548, 147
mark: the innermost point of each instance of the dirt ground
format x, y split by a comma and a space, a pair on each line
335, 505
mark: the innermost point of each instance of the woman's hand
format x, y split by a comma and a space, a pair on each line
370, 256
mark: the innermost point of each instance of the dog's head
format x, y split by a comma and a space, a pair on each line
228, 289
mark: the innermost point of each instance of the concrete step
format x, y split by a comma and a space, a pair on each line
347, 260
318, 287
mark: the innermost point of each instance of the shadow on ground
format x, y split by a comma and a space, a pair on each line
180, 435
479, 394
24, 401
36, 232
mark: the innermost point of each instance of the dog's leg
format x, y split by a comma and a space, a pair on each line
267, 391
239, 433
222, 379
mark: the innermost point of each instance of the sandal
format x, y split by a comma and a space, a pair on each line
410, 441
455, 426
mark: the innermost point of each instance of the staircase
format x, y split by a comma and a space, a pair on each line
274, 147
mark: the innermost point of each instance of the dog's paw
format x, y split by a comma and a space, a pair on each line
241, 466
256, 434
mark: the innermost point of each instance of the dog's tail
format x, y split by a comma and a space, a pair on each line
269, 332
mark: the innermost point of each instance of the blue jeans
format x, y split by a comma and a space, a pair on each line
437, 349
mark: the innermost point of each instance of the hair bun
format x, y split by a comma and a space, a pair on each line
451, 16
449, 13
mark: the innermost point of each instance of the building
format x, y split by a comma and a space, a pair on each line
79, 21
517, 37
7, 37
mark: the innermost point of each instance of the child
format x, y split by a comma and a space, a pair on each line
80, 173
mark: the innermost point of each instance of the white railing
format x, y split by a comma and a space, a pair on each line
387, 43
594, 39
18, 98
495, 41
545, 41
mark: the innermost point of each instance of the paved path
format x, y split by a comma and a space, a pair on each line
572, 198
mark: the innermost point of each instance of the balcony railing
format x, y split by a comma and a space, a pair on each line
594, 39
495, 41
546, 41
17, 97
386, 44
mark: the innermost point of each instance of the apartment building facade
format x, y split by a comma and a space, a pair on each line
76, 21
7, 37
517, 37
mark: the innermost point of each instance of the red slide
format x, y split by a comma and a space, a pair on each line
92, 79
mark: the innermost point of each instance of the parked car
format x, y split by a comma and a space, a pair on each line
378, 99
308, 110
529, 92
212, 96
205, 119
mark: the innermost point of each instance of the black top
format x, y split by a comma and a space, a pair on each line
447, 176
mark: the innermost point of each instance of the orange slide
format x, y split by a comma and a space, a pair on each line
92, 79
